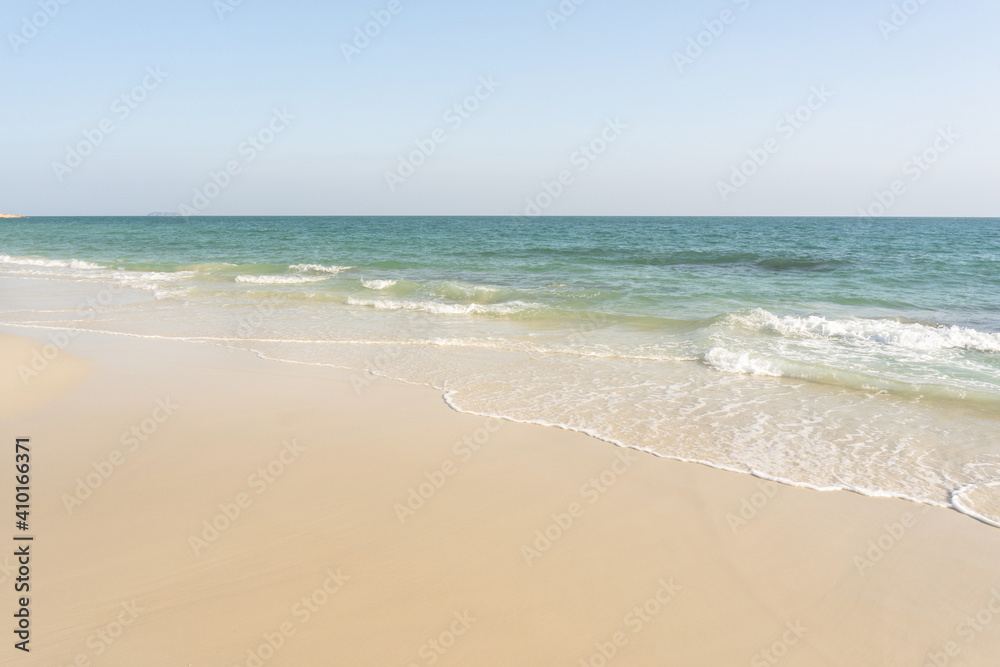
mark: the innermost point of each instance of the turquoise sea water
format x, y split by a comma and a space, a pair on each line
831, 353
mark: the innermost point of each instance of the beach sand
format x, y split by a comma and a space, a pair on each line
137, 443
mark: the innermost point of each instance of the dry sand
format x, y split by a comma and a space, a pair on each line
653, 564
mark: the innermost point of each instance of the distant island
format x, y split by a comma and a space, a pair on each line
8, 215
163, 215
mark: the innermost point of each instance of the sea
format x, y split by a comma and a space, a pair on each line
829, 353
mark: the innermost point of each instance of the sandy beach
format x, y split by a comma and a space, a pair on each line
201, 506
510, 334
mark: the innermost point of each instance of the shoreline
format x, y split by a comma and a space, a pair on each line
865, 493
953, 505
506, 535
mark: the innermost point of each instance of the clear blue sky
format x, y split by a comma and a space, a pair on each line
892, 92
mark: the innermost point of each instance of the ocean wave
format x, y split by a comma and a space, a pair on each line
741, 363
911, 336
801, 264
172, 293
481, 294
208, 269
378, 284
49, 263
145, 279
89, 273
279, 280
439, 308
319, 268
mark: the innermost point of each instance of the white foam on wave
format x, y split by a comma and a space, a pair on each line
959, 500
471, 290
741, 363
955, 502
49, 263
439, 308
151, 281
378, 284
911, 336
172, 293
319, 268
279, 280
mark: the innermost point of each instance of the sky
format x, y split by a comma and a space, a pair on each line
521, 107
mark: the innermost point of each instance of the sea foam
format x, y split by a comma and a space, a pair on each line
378, 284
49, 263
742, 363
440, 308
319, 268
912, 336
279, 280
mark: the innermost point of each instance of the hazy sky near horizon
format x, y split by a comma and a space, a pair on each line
191, 88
